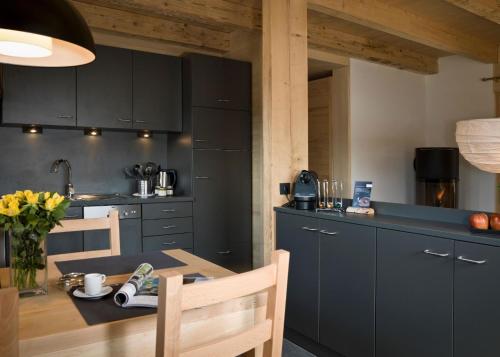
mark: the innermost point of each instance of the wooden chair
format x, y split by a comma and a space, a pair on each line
175, 298
111, 223
9, 322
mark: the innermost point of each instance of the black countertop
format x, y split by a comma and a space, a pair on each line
435, 228
129, 200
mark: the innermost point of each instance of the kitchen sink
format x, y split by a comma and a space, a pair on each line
94, 196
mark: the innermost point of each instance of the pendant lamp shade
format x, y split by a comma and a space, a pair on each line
479, 143
44, 33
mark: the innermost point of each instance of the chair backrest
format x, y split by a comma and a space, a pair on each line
174, 298
9, 322
111, 223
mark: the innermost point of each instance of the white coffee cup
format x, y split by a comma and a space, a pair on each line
93, 283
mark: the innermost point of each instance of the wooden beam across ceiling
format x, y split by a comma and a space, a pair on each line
132, 24
397, 21
488, 9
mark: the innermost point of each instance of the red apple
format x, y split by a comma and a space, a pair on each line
479, 221
495, 221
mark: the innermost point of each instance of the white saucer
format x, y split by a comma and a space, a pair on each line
81, 294
143, 196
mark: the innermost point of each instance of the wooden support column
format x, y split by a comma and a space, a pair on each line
285, 111
496, 87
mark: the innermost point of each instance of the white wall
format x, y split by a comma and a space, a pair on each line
387, 124
395, 111
454, 94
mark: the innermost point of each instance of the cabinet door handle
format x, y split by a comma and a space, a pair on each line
328, 233
168, 210
464, 259
202, 177
140, 121
72, 216
169, 243
200, 140
62, 116
226, 252
309, 229
442, 255
124, 120
223, 100
169, 227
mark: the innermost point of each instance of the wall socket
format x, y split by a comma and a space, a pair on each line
285, 188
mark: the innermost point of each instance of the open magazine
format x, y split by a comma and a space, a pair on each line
141, 289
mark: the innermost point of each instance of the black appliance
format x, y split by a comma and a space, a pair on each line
437, 176
305, 190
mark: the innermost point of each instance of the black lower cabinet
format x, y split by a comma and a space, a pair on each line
62, 243
477, 300
299, 236
414, 311
130, 238
347, 288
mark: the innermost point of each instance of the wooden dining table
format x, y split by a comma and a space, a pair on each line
51, 325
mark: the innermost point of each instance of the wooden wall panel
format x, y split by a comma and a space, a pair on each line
285, 109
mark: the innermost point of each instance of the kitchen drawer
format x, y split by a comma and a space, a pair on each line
167, 226
167, 210
171, 241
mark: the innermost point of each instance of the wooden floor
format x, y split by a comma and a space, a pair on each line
290, 349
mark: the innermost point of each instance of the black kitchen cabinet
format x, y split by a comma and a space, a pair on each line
130, 238
299, 235
35, 95
215, 82
157, 92
222, 209
224, 129
476, 300
347, 287
104, 90
61, 243
414, 295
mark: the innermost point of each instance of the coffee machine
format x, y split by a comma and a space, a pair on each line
305, 190
165, 182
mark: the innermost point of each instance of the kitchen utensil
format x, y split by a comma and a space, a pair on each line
93, 283
144, 188
167, 179
67, 281
128, 172
150, 170
139, 172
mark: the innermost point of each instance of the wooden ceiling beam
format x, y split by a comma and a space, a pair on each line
396, 21
488, 9
222, 14
137, 25
324, 36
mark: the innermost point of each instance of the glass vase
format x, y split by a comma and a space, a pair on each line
28, 263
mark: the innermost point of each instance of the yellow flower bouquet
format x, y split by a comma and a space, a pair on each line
28, 217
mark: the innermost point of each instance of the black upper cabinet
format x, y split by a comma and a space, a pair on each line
347, 288
157, 92
299, 236
216, 82
104, 90
414, 295
476, 300
34, 95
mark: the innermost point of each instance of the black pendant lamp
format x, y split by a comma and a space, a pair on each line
44, 33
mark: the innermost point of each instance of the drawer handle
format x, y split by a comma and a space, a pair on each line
169, 227
124, 120
226, 252
328, 233
464, 259
442, 255
62, 116
223, 100
168, 210
169, 243
202, 177
200, 140
140, 121
309, 229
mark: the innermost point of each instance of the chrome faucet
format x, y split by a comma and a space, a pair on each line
69, 190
